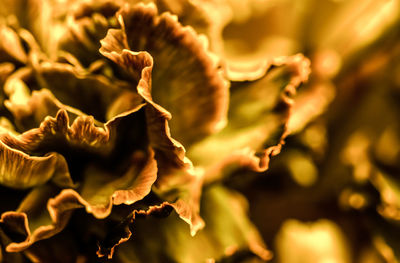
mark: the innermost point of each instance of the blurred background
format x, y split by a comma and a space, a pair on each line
332, 195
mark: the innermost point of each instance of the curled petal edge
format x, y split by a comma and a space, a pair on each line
143, 212
248, 158
158, 129
211, 92
60, 209
20, 170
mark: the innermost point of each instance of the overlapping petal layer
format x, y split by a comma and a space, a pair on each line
258, 119
227, 234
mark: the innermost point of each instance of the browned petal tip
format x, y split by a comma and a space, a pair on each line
59, 209
108, 250
83, 132
138, 66
186, 73
261, 104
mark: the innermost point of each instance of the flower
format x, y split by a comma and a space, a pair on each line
197, 131
114, 114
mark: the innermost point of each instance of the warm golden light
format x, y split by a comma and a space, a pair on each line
320, 242
196, 131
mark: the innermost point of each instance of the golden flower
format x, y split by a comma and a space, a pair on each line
136, 131
114, 114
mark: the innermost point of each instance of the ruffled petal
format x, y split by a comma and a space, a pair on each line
101, 189
186, 74
91, 93
29, 109
30, 97
122, 232
83, 134
20, 170
31, 222
257, 122
310, 102
182, 189
97, 194
139, 66
228, 233
176, 182
87, 23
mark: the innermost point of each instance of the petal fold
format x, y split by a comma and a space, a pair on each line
257, 121
185, 72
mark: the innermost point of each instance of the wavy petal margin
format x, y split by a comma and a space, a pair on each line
186, 74
33, 109
102, 190
173, 166
93, 94
86, 24
261, 106
227, 232
83, 133
133, 186
59, 209
124, 233
139, 66
19, 170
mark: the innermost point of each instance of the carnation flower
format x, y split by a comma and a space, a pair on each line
129, 118
197, 131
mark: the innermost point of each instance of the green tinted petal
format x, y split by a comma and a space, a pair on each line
102, 189
40, 216
121, 231
90, 93
257, 120
20, 170
87, 24
228, 231
175, 183
185, 73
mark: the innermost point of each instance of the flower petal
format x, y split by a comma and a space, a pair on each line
97, 195
258, 119
101, 189
174, 170
122, 232
87, 24
227, 231
185, 74
90, 93
310, 103
19, 170
11, 49
41, 224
